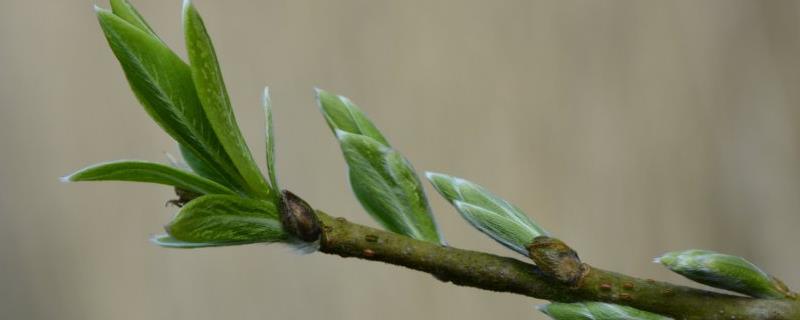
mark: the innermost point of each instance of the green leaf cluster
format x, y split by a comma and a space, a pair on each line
384, 182
190, 103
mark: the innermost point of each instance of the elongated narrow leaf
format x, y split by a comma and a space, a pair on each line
227, 219
213, 96
596, 311
126, 11
487, 212
342, 114
387, 187
725, 272
168, 241
142, 171
163, 84
270, 139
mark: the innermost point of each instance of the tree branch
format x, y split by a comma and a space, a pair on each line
503, 274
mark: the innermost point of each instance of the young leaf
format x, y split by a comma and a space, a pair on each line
487, 212
725, 272
142, 171
220, 219
596, 311
162, 82
270, 139
213, 96
126, 11
387, 187
341, 114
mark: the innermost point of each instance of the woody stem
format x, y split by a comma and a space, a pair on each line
491, 272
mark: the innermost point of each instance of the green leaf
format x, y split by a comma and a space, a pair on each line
168, 241
596, 311
270, 139
387, 187
341, 114
126, 11
215, 219
725, 272
487, 212
163, 84
214, 98
142, 171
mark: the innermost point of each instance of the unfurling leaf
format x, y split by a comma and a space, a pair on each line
725, 272
490, 214
163, 84
142, 171
383, 181
213, 95
227, 220
596, 311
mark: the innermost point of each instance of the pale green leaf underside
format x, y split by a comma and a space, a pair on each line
214, 98
487, 212
227, 219
387, 187
143, 171
596, 311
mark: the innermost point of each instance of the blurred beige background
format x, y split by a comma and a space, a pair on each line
627, 128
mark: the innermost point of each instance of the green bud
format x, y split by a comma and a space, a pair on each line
490, 214
725, 272
596, 311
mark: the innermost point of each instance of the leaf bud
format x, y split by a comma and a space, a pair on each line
725, 272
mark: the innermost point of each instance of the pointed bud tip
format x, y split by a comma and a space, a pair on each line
341, 134
65, 179
433, 175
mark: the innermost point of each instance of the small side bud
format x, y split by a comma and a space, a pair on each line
184, 196
298, 218
556, 259
596, 311
725, 272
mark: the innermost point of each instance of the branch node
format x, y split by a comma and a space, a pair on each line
557, 260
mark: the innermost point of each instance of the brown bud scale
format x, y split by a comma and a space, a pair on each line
298, 218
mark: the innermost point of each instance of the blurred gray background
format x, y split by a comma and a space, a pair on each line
627, 128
